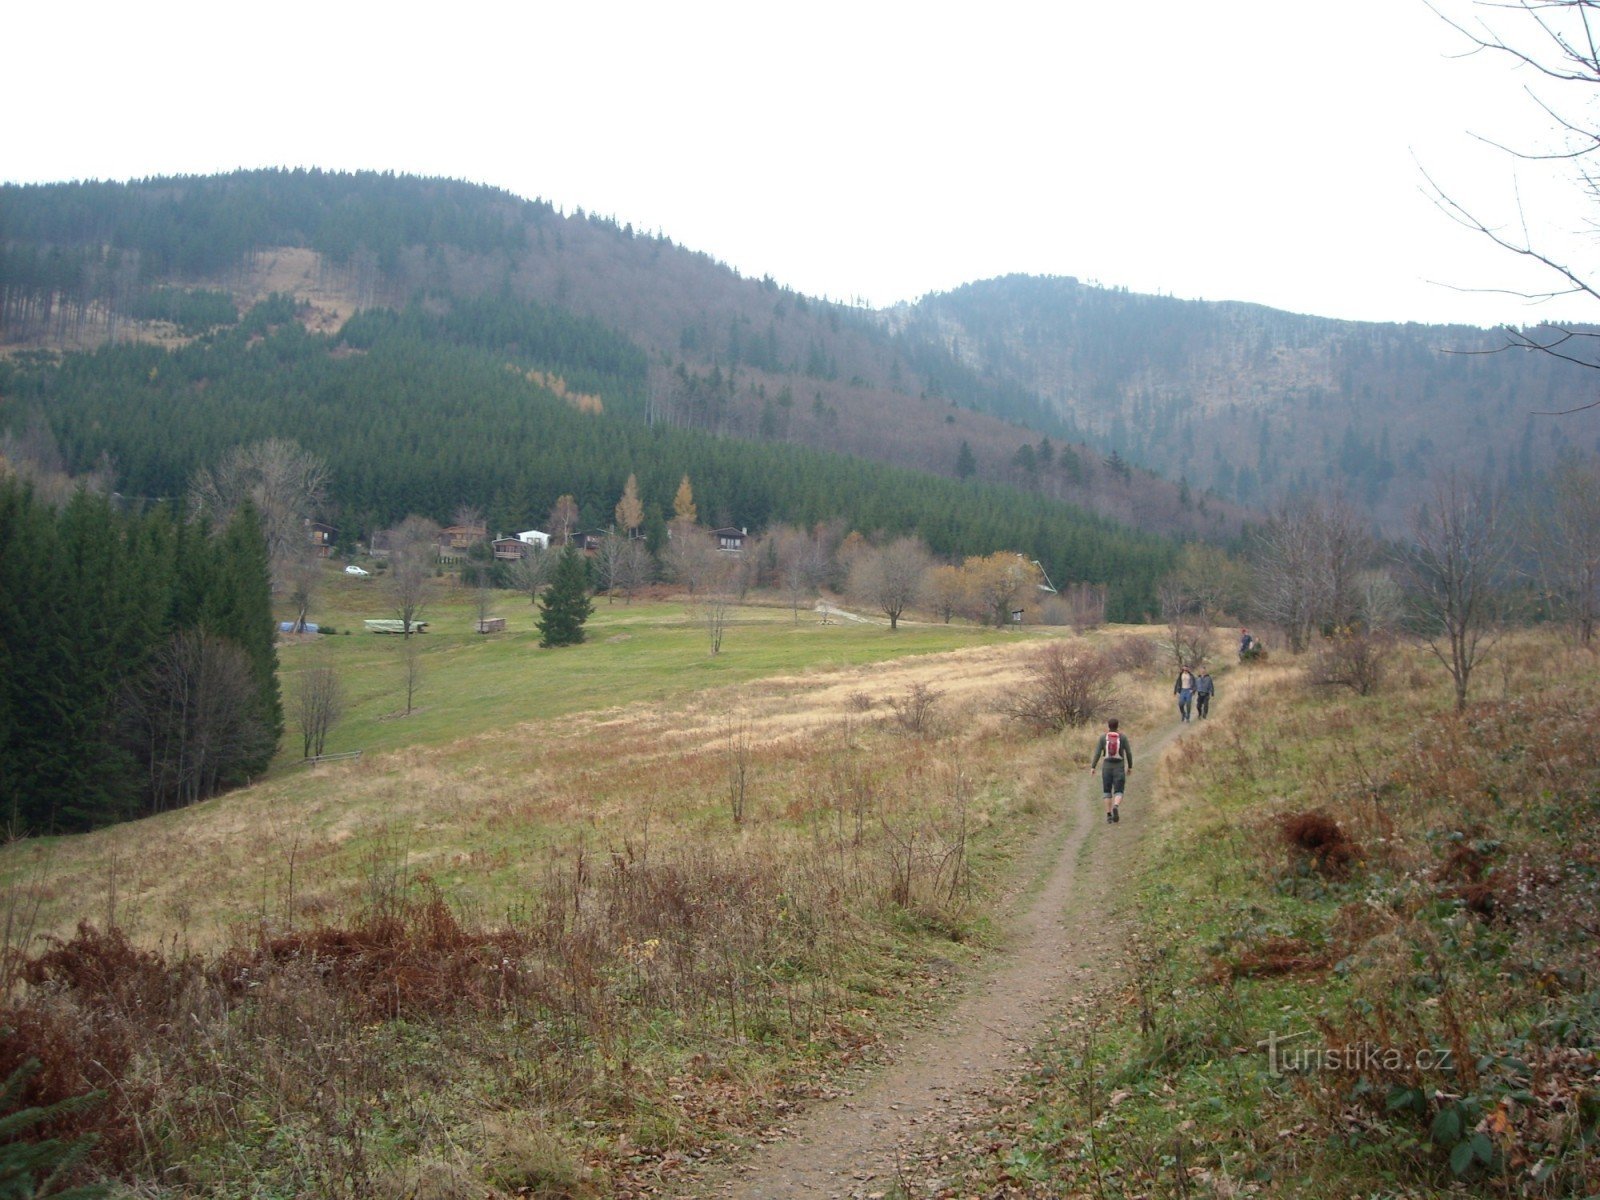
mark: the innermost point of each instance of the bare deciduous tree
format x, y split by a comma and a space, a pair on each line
1566, 541
1382, 600
1285, 573
532, 571
413, 558
410, 670
483, 598
1307, 558
563, 520
286, 484
608, 563
947, 591
1217, 583
1354, 658
736, 731
715, 602
303, 574
690, 556
802, 564
1555, 46
889, 578
318, 705
1188, 629
1453, 571
635, 568
197, 718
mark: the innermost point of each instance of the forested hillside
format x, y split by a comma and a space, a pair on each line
412, 414
162, 260
1071, 391
1250, 401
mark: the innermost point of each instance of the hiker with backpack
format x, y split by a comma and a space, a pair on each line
1114, 757
1204, 689
1184, 690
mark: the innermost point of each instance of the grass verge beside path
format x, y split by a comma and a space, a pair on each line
1366, 957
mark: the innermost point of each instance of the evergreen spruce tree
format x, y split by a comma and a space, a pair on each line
966, 463
565, 604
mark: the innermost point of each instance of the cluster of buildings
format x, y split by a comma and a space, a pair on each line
457, 541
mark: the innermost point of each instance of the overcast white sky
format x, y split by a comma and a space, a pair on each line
1263, 150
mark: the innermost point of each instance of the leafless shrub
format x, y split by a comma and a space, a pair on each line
859, 702
736, 733
1354, 659
929, 871
1066, 687
1131, 654
914, 712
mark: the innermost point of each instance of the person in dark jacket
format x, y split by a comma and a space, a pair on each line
1204, 689
1183, 689
1114, 756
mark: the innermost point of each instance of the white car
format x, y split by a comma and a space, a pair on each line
352, 569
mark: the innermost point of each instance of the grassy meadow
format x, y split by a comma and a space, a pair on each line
583, 914
1365, 955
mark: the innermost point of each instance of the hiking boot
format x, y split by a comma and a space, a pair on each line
1109, 818
1116, 815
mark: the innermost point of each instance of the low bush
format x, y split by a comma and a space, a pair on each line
1354, 659
1066, 687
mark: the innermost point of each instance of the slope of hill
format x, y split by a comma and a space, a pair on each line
412, 413
1034, 382
1249, 401
86, 263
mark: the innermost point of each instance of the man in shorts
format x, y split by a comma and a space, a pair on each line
1114, 757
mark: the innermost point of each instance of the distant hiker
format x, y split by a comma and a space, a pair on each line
1114, 756
1204, 689
1183, 688
1246, 642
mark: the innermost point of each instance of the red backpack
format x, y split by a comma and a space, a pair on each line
1113, 744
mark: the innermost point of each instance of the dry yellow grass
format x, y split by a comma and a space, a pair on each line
484, 815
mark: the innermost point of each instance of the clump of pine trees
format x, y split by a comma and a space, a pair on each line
137, 660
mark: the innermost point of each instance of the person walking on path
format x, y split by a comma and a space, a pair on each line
1184, 690
1204, 689
1114, 757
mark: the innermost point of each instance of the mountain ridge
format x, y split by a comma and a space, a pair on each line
1229, 401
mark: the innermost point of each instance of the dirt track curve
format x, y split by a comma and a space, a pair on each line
1065, 941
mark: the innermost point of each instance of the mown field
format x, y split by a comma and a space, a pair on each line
1365, 955
582, 915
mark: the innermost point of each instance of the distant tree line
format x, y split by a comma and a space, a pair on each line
137, 669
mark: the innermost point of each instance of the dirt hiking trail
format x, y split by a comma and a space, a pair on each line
1066, 942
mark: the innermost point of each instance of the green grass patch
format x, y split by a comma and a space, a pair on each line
641, 652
